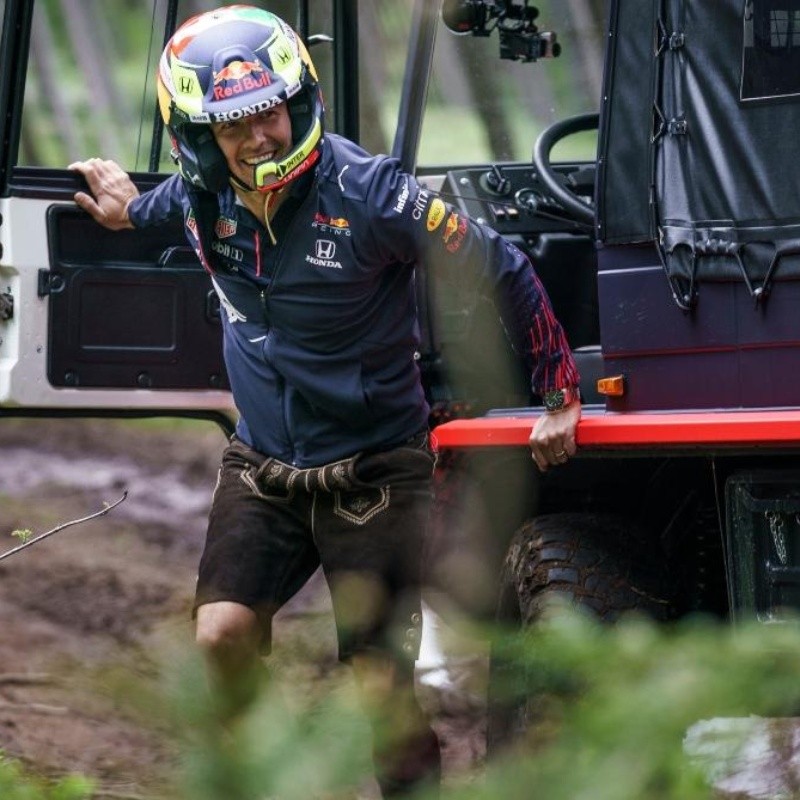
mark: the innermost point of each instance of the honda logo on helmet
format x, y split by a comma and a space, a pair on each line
283, 56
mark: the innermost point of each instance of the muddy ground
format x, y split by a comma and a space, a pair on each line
89, 617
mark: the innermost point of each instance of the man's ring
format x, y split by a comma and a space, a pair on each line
560, 454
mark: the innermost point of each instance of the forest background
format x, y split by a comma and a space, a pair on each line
90, 88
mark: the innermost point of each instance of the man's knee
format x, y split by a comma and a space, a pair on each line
227, 630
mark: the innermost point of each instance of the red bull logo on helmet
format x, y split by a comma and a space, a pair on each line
239, 77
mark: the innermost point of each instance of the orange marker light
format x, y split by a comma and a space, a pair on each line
613, 386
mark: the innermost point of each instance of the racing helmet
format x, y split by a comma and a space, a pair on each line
228, 64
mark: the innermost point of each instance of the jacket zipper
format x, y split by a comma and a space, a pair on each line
264, 294
280, 245
284, 405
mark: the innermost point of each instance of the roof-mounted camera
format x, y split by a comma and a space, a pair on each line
520, 38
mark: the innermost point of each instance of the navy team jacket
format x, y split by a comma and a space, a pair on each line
320, 326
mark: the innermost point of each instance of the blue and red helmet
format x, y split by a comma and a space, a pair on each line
228, 64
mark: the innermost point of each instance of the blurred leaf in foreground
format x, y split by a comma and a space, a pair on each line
612, 715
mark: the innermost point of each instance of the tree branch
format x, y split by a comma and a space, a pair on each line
107, 507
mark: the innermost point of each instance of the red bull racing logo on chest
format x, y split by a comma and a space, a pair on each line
239, 77
335, 225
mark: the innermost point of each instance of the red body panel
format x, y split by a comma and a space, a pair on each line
640, 430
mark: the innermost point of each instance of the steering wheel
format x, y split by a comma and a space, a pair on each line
578, 209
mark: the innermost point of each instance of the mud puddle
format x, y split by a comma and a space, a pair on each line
152, 496
90, 595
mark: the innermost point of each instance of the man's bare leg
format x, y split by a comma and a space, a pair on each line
229, 635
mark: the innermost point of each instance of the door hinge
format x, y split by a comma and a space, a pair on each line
6, 306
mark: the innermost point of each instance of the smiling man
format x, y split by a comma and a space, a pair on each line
261, 138
312, 244
249, 141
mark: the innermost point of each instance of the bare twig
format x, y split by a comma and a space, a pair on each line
107, 507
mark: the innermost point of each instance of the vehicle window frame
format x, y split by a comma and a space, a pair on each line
14, 46
770, 53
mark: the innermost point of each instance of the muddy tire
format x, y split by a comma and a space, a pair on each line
600, 563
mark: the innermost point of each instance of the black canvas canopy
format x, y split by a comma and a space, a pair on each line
699, 147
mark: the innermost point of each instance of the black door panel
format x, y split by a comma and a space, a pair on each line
128, 309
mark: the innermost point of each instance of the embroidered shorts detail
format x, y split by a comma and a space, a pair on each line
361, 506
364, 519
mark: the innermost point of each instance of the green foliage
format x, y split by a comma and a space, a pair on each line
23, 534
610, 709
613, 706
302, 738
16, 784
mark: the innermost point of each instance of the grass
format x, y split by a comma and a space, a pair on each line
16, 783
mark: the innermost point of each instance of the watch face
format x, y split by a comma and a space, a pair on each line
553, 401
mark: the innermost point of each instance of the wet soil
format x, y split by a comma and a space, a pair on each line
88, 616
